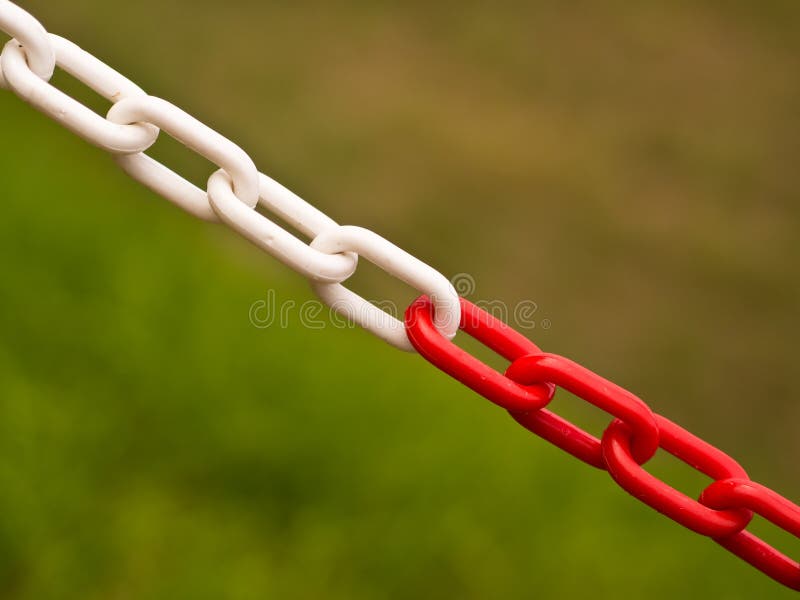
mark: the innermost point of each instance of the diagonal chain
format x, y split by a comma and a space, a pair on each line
134, 123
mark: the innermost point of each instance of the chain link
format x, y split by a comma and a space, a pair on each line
596, 390
297, 255
397, 262
661, 496
474, 373
132, 125
194, 135
67, 111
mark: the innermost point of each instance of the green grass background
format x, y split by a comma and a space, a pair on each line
630, 167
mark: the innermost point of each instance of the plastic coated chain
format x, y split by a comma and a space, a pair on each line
134, 123
724, 509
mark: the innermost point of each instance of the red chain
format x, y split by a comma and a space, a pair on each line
723, 510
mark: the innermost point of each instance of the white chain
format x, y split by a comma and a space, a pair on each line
234, 192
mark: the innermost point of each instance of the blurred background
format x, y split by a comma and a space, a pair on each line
629, 167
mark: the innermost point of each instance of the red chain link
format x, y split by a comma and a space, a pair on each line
661, 496
724, 508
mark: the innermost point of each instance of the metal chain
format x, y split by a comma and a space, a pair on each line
133, 124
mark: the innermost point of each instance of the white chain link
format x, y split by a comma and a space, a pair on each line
69, 112
133, 124
394, 261
311, 263
195, 135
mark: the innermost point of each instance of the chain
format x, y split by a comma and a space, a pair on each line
724, 509
234, 193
